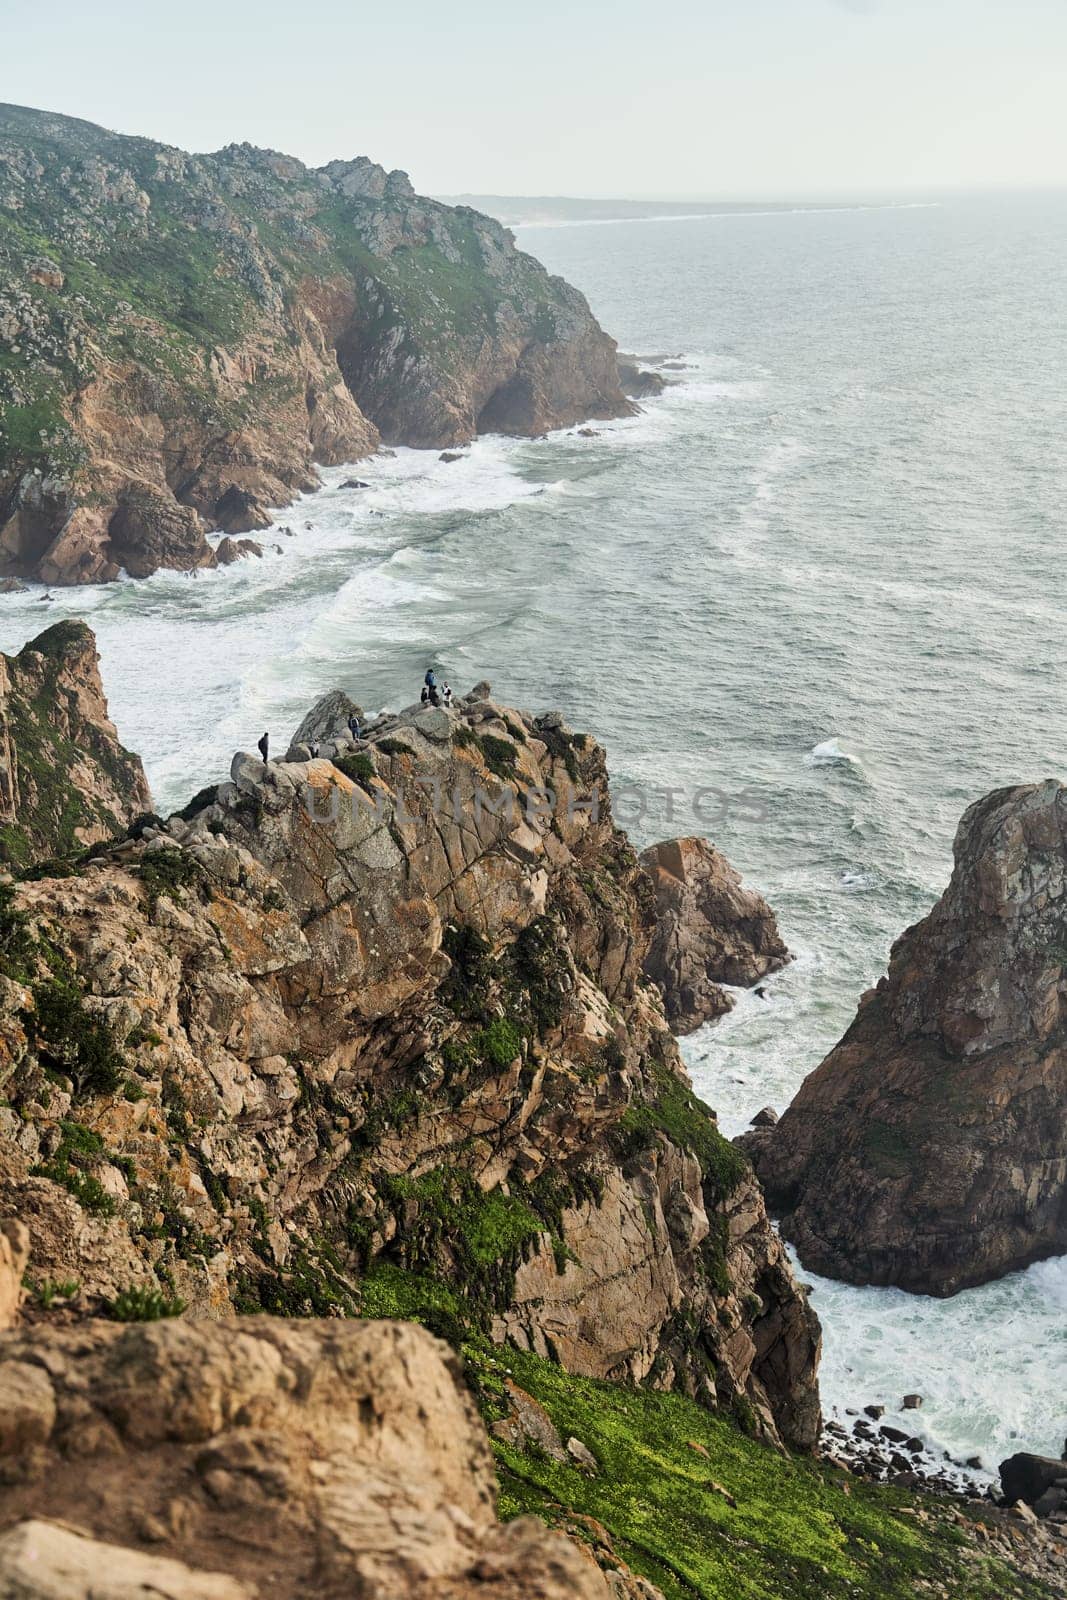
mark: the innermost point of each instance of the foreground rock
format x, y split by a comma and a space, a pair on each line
709, 931
927, 1149
367, 1032
248, 317
222, 1462
65, 780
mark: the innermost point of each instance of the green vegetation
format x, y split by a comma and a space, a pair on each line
394, 747
359, 767
798, 1528
71, 1041
499, 755
167, 872
49, 1290
17, 945
675, 1111
78, 1151
137, 1304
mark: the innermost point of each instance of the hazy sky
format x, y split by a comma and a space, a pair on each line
684, 98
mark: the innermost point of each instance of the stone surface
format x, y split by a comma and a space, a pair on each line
1027, 1477
327, 719
65, 780
231, 1462
362, 1023
710, 931
14, 1255
927, 1149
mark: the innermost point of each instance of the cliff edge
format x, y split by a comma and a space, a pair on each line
369, 1033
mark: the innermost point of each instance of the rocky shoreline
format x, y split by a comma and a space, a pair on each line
247, 319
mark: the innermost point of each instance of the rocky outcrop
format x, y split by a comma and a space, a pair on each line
328, 719
709, 931
65, 780
637, 381
247, 319
371, 1033
927, 1149
218, 1462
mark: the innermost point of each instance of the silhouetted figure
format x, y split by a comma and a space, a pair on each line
425, 695
264, 746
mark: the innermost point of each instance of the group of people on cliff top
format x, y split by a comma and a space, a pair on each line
431, 694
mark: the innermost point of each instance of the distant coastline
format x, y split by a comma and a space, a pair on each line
518, 211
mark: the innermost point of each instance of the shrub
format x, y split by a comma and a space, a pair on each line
71, 1041
164, 872
359, 767
137, 1304
17, 944
499, 755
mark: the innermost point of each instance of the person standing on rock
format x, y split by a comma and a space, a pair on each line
264, 746
353, 727
446, 695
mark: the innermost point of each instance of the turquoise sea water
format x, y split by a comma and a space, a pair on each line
822, 575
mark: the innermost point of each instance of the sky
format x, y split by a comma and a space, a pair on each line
697, 99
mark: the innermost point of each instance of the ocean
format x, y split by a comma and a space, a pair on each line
811, 599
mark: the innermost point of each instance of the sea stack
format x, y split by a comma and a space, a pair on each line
927, 1150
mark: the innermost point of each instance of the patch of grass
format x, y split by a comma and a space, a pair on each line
138, 1304
394, 747
673, 1109
795, 1531
79, 1150
49, 1290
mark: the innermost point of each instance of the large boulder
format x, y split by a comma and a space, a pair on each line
1028, 1477
327, 719
927, 1149
254, 1458
710, 931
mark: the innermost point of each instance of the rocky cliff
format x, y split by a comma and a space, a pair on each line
709, 931
182, 337
927, 1149
65, 780
369, 1033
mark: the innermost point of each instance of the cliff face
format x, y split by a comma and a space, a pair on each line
65, 780
183, 337
927, 1149
709, 931
349, 1037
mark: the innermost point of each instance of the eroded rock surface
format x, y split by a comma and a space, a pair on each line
927, 1150
373, 1032
210, 1461
710, 931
